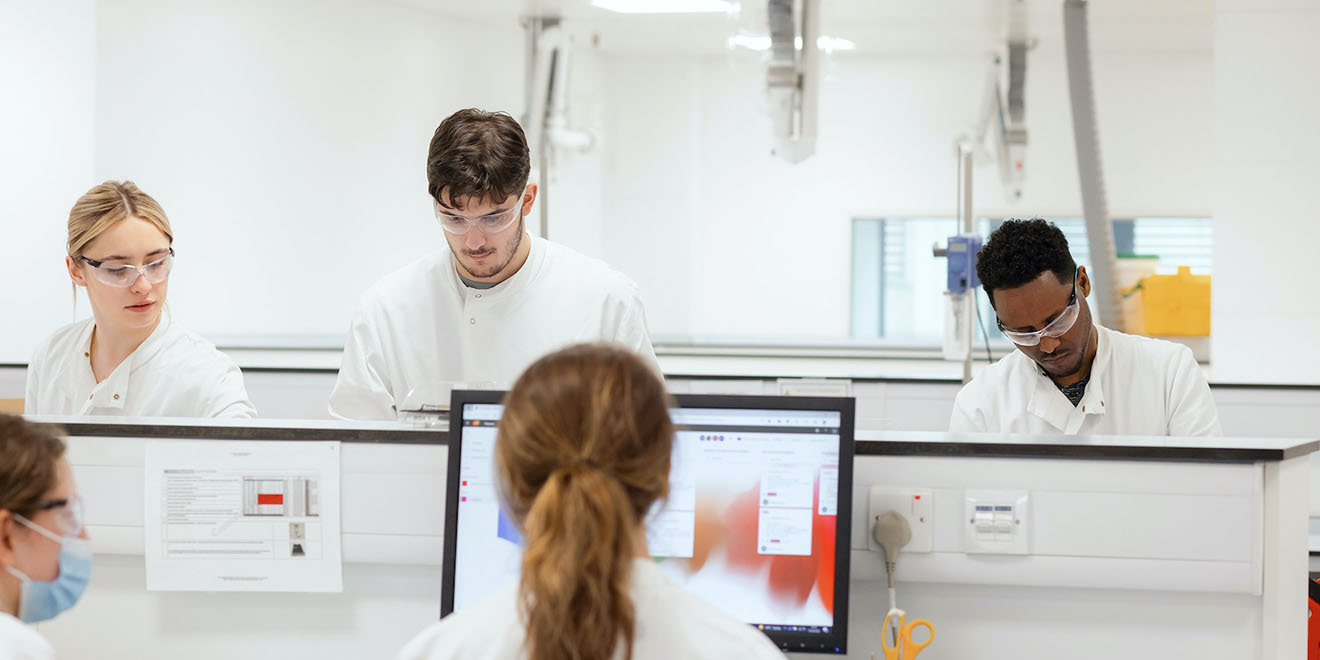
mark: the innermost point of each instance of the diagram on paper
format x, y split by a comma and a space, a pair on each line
243, 516
223, 515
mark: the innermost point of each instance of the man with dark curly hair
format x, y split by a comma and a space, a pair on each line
1069, 374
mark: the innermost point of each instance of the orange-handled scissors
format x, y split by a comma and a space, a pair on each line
906, 648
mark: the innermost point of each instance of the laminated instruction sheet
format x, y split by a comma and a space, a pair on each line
242, 516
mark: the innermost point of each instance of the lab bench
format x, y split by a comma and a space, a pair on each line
1152, 547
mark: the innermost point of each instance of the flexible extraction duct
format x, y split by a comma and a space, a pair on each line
1095, 208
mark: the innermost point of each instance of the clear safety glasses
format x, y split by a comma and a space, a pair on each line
1056, 328
124, 275
490, 224
67, 513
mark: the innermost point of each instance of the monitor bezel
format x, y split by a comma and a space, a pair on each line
836, 641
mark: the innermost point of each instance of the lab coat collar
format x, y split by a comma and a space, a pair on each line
156, 341
76, 374
1049, 404
77, 377
510, 287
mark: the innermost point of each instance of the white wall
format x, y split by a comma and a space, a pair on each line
288, 141
1266, 171
47, 122
653, 171
767, 243
285, 140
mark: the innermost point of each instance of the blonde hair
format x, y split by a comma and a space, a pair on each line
583, 449
108, 204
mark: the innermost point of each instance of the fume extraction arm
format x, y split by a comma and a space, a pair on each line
549, 131
1095, 206
1002, 117
793, 76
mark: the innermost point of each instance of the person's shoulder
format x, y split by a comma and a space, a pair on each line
674, 619
587, 272
20, 641
1146, 350
65, 338
198, 351
415, 276
469, 633
996, 375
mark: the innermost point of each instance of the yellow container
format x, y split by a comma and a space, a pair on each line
1129, 271
1176, 305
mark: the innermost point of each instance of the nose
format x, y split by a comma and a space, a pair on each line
1049, 344
474, 239
141, 284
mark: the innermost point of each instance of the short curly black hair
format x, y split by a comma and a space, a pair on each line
1019, 251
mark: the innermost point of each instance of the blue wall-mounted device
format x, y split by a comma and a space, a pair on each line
961, 259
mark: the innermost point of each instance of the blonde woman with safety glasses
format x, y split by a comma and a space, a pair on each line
129, 359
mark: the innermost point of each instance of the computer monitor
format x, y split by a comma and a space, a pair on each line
757, 522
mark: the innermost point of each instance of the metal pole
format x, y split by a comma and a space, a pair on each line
968, 224
535, 25
543, 188
965, 219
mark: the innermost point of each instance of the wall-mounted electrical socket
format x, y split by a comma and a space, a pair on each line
915, 504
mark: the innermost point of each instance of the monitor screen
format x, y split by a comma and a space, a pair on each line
754, 522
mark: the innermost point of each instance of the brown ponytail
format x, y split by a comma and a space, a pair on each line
583, 448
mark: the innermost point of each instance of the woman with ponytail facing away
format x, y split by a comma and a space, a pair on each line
582, 454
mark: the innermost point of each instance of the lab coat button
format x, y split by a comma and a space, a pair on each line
472, 321
93, 396
478, 295
116, 397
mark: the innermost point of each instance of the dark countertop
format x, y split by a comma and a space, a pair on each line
250, 429
868, 443
927, 443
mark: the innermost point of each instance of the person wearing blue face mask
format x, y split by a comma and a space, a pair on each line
45, 553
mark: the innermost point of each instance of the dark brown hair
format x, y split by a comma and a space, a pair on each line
477, 155
583, 451
29, 456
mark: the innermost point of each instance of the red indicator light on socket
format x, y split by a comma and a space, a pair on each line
916, 497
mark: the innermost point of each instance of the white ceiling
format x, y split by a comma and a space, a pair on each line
878, 26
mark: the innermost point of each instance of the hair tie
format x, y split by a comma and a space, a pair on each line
581, 464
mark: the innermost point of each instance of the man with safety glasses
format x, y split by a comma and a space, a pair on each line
478, 313
1070, 375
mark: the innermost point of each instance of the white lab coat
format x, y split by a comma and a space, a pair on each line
421, 327
1138, 386
670, 623
174, 373
19, 641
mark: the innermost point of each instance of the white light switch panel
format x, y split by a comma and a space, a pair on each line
915, 504
996, 522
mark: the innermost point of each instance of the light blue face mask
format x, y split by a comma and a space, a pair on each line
41, 601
